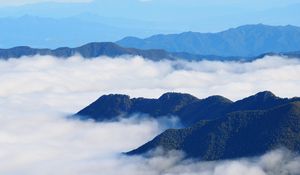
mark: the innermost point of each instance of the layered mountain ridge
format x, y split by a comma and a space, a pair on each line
90, 50
109, 49
187, 108
243, 41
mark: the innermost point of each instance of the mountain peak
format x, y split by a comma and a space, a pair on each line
259, 101
114, 99
174, 95
265, 95
107, 107
218, 98
186, 107
173, 102
114, 96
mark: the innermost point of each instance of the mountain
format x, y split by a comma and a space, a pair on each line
238, 134
186, 107
213, 128
110, 107
110, 49
92, 50
89, 50
244, 41
259, 101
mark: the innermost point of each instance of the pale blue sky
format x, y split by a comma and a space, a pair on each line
181, 15
54, 23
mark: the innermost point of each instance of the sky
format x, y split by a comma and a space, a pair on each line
72, 23
174, 15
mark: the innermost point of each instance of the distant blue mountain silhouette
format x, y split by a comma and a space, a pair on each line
92, 50
244, 41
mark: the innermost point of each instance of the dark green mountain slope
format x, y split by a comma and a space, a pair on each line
110, 107
188, 108
239, 134
260, 101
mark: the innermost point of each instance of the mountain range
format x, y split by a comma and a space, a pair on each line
214, 128
244, 41
92, 50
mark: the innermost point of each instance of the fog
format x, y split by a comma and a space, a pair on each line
37, 93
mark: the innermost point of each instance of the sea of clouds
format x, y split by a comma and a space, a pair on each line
37, 93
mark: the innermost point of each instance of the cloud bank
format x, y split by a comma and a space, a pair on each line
36, 94
277, 162
79, 82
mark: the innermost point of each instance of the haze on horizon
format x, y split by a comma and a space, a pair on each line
112, 20
194, 15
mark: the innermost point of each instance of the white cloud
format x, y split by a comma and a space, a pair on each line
89, 79
23, 2
36, 94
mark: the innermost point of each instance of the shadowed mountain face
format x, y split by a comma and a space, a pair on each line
187, 108
238, 134
244, 41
